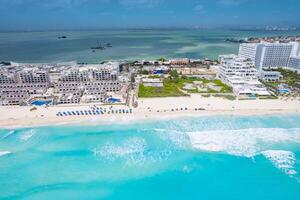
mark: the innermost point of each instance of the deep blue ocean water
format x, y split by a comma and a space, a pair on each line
44, 46
221, 157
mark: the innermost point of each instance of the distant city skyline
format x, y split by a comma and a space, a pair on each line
112, 14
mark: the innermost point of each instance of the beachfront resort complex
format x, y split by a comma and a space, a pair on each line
259, 70
69, 83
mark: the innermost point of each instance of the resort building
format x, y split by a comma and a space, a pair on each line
232, 65
269, 55
28, 75
66, 84
294, 63
179, 61
241, 75
74, 75
17, 85
270, 76
6, 77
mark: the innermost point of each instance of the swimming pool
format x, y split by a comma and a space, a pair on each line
114, 100
41, 102
283, 91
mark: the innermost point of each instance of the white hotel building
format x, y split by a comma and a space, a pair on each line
269, 55
241, 75
22, 85
294, 63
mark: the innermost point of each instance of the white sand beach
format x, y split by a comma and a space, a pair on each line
148, 109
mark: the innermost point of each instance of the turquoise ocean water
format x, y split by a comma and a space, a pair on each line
127, 45
219, 157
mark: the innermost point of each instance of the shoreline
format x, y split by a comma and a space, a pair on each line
153, 109
142, 118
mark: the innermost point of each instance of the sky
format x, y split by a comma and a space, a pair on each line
106, 14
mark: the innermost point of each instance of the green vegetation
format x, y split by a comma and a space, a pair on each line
206, 95
225, 88
173, 86
162, 59
290, 77
154, 76
143, 71
272, 84
174, 77
268, 97
169, 89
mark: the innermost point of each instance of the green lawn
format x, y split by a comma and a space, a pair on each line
173, 87
225, 88
170, 89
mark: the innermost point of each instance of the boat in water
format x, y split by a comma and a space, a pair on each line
62, 37
98, 47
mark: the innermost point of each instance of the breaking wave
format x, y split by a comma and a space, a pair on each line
283, 160
132, 149
249, 143
243, 142
3, 153
26, 135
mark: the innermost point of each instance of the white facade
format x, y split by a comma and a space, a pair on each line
248, 50
6, 77
294, 62
232, 65
69, 84
33, 76
270, 76
241, 75
269, 55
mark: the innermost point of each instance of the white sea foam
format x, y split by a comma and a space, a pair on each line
178, 138
283, 160
244, 142
131, 149
26, 135
3, 153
